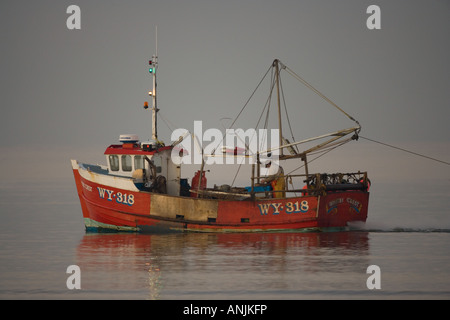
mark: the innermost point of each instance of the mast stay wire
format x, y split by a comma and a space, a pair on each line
245, 105
267, 105
322, 153
308, 85
408, 151
287, 115
292, 73
320, 94
248, 100
166, 121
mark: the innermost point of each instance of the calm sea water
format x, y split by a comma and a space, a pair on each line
407, 236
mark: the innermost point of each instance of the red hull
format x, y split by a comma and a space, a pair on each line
106, 207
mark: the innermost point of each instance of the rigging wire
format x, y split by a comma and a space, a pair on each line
268, 102
166, 121
320, 94
246, 103
267, 105
248, 100
287, 116
408, 151
324, 152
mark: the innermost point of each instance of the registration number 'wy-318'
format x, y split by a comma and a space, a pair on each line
119, 197
288, 207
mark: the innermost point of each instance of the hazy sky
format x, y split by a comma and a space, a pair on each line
78, 89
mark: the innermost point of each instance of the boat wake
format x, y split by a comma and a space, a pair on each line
419, 230
399, 229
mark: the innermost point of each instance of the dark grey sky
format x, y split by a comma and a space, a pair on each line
86, 87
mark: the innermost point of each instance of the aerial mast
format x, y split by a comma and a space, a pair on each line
152, 69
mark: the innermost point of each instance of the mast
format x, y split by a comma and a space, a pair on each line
153, 67
277, 73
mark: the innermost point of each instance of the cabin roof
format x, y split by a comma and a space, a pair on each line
132, 149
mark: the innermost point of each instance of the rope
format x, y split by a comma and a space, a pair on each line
324, 152
245, 105
248, 100
320, 94
414, 153
287, 116
166, 122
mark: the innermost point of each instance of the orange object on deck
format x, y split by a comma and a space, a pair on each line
195, 182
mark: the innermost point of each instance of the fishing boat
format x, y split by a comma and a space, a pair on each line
141, 187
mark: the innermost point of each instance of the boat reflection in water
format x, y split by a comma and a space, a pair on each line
219, 266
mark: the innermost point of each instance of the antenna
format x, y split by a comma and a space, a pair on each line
153, 68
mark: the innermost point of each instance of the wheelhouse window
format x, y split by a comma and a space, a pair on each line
138, 162
114, 162
126, 162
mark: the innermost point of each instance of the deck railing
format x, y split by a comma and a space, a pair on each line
316, 184
311, 185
